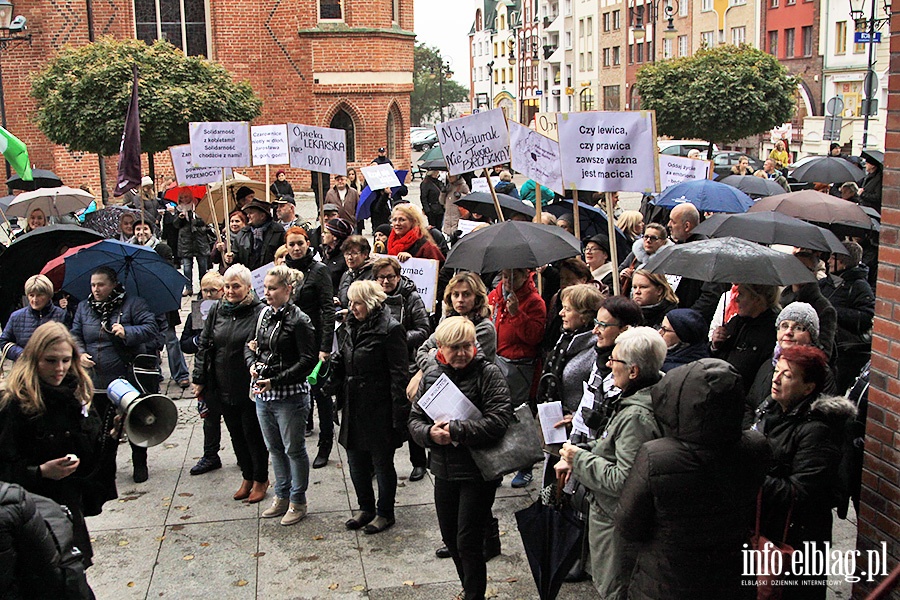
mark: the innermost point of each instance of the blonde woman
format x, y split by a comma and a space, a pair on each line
632, 225
654, 295
23, 322
409, 236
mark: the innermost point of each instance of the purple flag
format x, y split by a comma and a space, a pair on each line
129, 177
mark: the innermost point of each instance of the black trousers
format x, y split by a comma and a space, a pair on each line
463, 512
212, 433
325, 407
416, 454
247, 440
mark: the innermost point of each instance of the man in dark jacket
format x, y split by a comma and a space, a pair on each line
255, 244
690, 495
429, 194
193, 240
693, 293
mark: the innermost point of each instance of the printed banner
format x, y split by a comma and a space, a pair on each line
319, 149
187, 174
675, 169
380, 177
474, 143
221, 144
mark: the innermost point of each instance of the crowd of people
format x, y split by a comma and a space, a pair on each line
694, 401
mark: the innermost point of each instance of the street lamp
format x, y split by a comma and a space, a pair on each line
670, 7
490, 68
870, 83
511, 44
443, 72
12, 31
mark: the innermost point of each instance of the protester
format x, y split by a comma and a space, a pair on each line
345, 198
692, 293
23, 322
48, 429
384, 202
870, 195
286, 211
36, 219
281, 186
462, 497
430, 195
654, 239
126, 226
684, 332
410, 237
632, 225
329, 211
567, 222
222, 381
528, 193
654, 295
359, 267
373, 367
780, 155
255, 245
244, 196
596, 255
688, 500
811, 293
571, 271
506, 185
380, 238
354, 181
333, 236
193, 239
280, 357
454, 189
743, 167
237, 220
604, 465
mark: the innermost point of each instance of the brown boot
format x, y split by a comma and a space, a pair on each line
258, 492
244, 490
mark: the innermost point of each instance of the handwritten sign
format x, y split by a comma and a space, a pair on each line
475, 142
258, 277
220, 144
545, 124
199, 311
270, 144
465, 226
319, 149
423, 272
675, 169
535, 156
379, 177
609, 151
187, 174
480, 184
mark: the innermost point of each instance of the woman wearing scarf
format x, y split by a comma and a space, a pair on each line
333, 235
112, 327
410, 237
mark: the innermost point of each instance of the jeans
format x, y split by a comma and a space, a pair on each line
283, 424
187, 265
464, 511
362, 463
177, 367
247, 440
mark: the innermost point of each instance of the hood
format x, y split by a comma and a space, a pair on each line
638, 248
832, 410
854, 273
701, 402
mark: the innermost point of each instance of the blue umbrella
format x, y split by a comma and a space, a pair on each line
706, 195
142, 271
364, 207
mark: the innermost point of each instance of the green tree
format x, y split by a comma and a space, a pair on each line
720, 94
425, 100
83, 94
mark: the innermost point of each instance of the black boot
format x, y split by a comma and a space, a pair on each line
492, 540
322, 457
139, 460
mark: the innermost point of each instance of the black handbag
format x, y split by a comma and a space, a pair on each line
519, 448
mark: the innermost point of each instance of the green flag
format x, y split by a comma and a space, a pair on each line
16, 154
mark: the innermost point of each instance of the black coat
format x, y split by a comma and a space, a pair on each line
871, 190
373, 364
483, 384
851, 295
654, 314
812, 295
285, 346
690, 496
350, 275
272, 239
749, 344
429, 194
333, 259
193, 235
408, 309
315, 297
219, 363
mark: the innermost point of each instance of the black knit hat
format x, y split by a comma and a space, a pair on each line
339, 228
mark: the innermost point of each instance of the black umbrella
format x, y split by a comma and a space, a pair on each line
42, 179
483, 204
512, 245
755, 187
28, 254
772, 228
593, 221
828, 169
730, 260
438, 164
551, 539
874, 156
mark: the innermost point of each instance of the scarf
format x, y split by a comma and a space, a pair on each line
397, 245
301, 264
258, 234
105, 309
228, 308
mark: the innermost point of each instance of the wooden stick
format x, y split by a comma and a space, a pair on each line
537, 219
225, 208
494, 196
613, 247
212, 209
575, 216
267, 183
321, 203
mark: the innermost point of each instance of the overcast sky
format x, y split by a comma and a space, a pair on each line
445, 24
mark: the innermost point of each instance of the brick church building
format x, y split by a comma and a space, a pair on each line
330, 63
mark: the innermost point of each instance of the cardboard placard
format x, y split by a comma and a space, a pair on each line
319, 149
257, 279
545, 124
423, 272
270, 144
380, 177
187, 174
475, 142
535, 156
609, 151
675, 169
220, 144
480, 184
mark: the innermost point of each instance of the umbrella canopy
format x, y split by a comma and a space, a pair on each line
772, 228
706, 195
438, 164
197, 191
106, 220
828, 169
592, 221
435, 153
811, 205
483, 204
42, 179
755, 187
5, 201
730, 260
55, 269
512, 245
875, 156
214, 195
140, 269
28, 254
551, 539
53, 201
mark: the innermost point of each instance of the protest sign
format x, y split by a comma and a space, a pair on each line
199, 311
319, 149
379, 177
270, 144
465, 226
535, 156
220, 144
423, 272
480, 184
475, 142
257, 279
609, 151
675, 169
186, 174
545, 124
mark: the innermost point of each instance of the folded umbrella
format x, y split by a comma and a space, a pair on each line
817, 207
772, 228
550, 537
730, 260
512, 245
827, 169
755, 187
483, 204
42, 178
706, 195
56, 201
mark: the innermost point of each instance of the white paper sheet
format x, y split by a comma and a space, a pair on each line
443, 401
551, 413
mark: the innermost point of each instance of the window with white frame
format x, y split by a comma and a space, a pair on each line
708, 39
568, 40
683, 7
738, 35
182, 23
589, 26
607, 56
682, 45
706, 5
667, 48
607, 20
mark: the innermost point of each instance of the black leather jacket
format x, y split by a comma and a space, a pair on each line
285, 346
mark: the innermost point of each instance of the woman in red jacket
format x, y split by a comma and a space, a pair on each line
409, 236
519, 315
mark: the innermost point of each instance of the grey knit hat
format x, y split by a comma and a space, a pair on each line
803, 313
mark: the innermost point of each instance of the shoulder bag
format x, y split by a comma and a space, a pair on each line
519, 448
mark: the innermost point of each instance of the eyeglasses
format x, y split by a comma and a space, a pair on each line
351, 254
603, 324
616, 360
794, 327
211, 290
386, 277
665, 329
592, 249
651, 238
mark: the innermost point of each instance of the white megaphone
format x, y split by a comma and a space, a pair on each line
149, 420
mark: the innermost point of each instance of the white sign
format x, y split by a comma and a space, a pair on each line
480, 184
380, 177
443, 401
318, 148
221, 144
609, 151
781, 133
545, 124
423, 272
465, 226
257, 279
475, 142
675, 169
270, 144
186, 174
535, 156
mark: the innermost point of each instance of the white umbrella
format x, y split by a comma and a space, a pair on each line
53, 201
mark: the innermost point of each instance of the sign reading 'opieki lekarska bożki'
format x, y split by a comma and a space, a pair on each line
474, 143
319, 149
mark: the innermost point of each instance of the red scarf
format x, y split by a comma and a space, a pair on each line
397, 245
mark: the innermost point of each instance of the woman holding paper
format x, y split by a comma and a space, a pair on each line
462, 498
